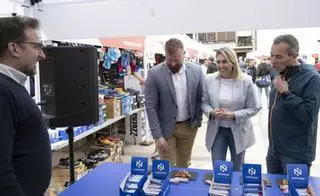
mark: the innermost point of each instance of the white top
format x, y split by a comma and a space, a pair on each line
16, 75
180, 86
204, 69
225, 101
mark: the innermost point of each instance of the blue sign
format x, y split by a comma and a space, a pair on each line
251, 174
223, 172
139, 165
298, 175
160, 169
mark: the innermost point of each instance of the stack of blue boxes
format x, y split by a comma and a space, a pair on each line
126, 104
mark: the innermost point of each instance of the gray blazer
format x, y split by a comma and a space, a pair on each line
161, 104
244, 105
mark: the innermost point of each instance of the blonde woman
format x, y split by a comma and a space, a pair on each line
229, 100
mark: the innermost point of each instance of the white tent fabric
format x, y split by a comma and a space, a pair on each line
155, 44
110, 18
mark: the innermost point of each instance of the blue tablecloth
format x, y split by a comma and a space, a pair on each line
105, 181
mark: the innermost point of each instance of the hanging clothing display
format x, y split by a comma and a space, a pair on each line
112, 56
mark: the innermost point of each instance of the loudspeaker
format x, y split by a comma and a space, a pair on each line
69, 86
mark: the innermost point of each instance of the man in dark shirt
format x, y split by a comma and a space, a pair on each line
25, 157
294, 108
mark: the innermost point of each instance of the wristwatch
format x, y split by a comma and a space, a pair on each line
285, 94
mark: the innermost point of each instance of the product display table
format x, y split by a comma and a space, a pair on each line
105, 180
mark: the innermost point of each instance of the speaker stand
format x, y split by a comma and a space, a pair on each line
70, 133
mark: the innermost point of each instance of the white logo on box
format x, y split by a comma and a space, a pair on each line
139, 164
297, 172
160, 167
252, 172
223, 168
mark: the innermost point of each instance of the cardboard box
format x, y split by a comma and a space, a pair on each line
113, 108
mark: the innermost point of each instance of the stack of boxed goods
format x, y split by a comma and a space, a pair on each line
60, 133
126, 104
102, 110
135, 98
113, 108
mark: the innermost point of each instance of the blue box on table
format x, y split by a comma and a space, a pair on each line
298, 178
222, 178
159, 182
133, 183
252, 179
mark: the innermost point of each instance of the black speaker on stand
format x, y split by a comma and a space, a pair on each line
69, 90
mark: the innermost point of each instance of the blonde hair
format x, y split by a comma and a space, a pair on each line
230, 55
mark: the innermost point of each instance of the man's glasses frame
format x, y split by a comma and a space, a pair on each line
39, 45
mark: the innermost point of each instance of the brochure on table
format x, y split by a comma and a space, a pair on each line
160, 177
222, 178
298, 178
132, 184
251, 178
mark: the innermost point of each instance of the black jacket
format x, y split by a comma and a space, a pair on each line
293, 118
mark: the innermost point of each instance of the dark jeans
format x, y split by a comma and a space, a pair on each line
277, 164
223, 140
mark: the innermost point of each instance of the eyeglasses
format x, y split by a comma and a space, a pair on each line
38, 45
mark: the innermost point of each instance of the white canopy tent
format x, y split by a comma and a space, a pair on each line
80, 19
155, 44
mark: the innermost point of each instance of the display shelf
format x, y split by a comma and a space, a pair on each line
64, 143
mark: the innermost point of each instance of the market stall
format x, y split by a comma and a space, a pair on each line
64, 20
99, 183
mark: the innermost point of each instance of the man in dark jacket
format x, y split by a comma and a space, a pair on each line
294, 107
